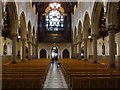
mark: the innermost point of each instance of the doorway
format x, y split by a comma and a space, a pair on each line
54, 53
82, 52
65, 53
42, 53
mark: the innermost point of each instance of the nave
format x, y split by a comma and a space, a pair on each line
83, 36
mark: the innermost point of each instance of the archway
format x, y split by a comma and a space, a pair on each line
66, 53
79, 38
43, 53
29, 41
22, 36
86, 26
12, 26
33, 41
97, 17
54, 53
75, 43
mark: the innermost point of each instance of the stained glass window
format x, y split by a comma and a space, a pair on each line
54, 19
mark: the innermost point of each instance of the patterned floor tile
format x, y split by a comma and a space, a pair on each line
55, 78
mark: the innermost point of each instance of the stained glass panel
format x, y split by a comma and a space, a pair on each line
54, 19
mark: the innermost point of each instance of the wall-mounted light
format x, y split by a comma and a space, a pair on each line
89, 37
19, 36
54, 37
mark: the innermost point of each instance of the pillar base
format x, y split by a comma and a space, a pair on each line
95, 62
112, 65
13, 62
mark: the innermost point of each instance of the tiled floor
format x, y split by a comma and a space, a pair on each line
55, 78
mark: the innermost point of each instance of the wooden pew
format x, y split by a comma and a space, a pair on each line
28, 74
81, 74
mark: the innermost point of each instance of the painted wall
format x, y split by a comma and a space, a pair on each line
106, 42
48, 47
9, 45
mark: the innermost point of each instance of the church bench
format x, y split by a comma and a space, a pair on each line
95, 82
22, 83
28, 74
87, 75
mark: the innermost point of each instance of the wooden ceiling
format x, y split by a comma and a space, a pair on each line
41, 6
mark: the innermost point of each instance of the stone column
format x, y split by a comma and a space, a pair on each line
29, 50
0, 29
23, 49
79, 56
75, 50
36, 50
111, 33
32, 50
14, 46
94, 38
85, 49
72, 50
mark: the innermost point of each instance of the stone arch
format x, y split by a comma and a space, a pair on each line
12, 10
29, 41
43, 53
66, 53
75, 31
33, 31
80, 39
79, 30
23, 25
33, 35
112, 18
112, 22
86, 25
29, 32
95, 16
22, 33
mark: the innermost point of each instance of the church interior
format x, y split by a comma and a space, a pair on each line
64, 45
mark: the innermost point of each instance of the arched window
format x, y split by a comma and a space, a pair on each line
54, 18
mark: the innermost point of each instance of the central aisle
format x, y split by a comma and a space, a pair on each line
55, 78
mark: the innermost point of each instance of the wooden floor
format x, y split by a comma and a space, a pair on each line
77, 74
